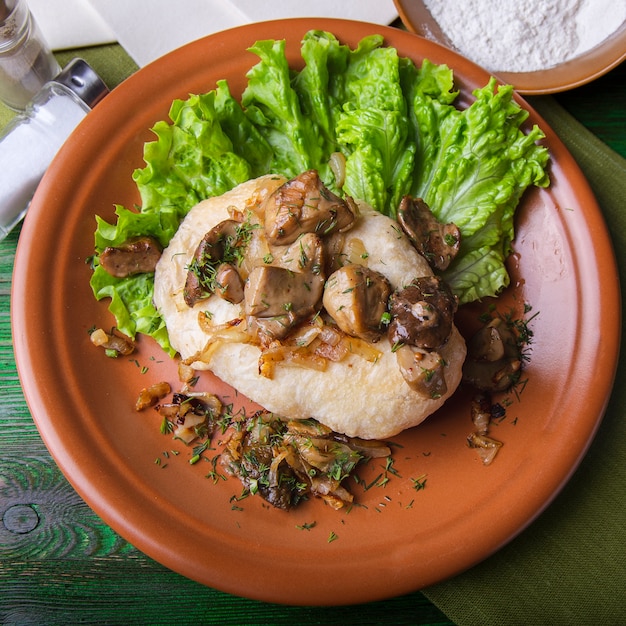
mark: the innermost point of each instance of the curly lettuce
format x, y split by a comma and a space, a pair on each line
397, 126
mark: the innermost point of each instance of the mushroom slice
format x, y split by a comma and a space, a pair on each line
422, 314
222, 243
494, 361
356, 298
423, 370
138, 255
305, 205
277, 298
228, 283
306, 254
487, 447
438, 243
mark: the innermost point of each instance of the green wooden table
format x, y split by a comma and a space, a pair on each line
60, 564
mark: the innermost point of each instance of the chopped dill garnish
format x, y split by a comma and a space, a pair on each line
419, 483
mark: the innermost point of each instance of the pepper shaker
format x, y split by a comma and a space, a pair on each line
26, 62
32, 139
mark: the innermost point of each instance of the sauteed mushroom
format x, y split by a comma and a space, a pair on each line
493, 359
135, 256
277, 298
356, 297
229, 284
422, 313
423, 370
219, 245
438, 243
305, 205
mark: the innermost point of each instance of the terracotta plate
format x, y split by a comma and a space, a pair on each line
401, 538
563, 76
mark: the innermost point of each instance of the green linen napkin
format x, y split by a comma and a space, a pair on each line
569, 567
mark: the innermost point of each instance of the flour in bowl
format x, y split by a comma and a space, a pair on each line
513, 36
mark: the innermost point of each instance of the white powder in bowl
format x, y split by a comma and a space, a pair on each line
514, 36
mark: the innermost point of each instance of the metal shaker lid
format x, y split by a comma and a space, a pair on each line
79, 76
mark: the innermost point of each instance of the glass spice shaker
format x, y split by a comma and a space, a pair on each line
32, 139
26, 62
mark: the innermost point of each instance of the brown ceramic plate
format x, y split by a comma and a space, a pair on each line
563, 76
400, 539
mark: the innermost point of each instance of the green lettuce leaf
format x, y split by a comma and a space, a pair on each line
373, 127
273, 106
131, 305
131, 297
320, 84
192, 158
397, 126
479, 163
246, 139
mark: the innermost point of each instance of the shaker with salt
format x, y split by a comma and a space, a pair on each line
26, 62
33, 138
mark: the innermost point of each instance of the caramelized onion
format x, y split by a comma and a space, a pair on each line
481, 411
291, 356
151, 395
337, 164
234, 331
486, 446
114, 342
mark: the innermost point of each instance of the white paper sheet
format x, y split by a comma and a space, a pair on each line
148, 29
70, 23
375, 11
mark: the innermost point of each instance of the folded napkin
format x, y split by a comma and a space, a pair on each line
70, 23
376, 11
148, 29
569, 567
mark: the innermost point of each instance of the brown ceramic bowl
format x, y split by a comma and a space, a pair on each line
573, 73
399, 539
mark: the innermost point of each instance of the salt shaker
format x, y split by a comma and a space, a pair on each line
26, 62
33, 138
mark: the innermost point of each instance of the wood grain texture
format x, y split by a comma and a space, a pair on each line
600, 107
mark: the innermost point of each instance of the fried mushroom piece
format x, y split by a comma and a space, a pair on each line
114, 343
423, 370
438, 243
138, 255
494, 360
217, 249
356, 297
276, 298
422, 313
228, 283
304, 205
